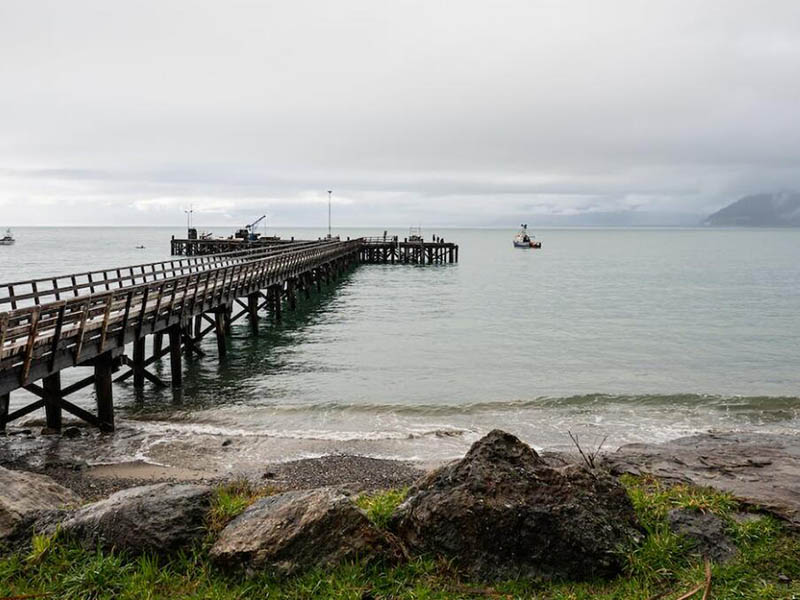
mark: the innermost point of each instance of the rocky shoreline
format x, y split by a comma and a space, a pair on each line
503, 512
761, 469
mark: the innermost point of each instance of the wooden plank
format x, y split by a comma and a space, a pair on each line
78, 385
80, 413
34, 328
56, 336
81, 331
104, 328
21, 412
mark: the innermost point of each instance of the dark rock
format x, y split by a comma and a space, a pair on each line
705, 530
502, 512
295, 531
71, 432
269, 475
226, 443
760, 469
37, 522
156, 518
23, 494
20, 432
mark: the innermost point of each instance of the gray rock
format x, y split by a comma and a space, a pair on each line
502, 512
156, 518
71, 432
23, 494
760, 469
705, 530
295, 531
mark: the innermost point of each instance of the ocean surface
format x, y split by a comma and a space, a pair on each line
634, 334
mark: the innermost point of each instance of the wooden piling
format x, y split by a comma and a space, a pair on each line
252, 310
175, 367
219, 326
138, 362
52, 400
290, 295
158, 341
228, 317
5, 401
103, 370
275, 291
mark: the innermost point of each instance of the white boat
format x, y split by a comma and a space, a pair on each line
7, 239
523, 240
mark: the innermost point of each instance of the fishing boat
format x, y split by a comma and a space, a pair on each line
523, 240
7, 239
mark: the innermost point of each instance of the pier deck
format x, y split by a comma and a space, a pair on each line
87, 319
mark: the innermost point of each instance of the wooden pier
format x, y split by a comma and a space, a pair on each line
198, 247
390, 250
88, 319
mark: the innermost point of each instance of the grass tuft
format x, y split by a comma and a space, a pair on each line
230, 500
380, 506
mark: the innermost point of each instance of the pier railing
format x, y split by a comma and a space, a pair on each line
44, 338
19, 294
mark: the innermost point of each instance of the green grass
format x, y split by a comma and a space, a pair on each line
662, 564
379, 506
230, 500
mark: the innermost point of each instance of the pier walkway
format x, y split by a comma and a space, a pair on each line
87, 319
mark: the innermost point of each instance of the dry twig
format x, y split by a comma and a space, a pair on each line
589, 458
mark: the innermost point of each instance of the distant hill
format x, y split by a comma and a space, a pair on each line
780, 209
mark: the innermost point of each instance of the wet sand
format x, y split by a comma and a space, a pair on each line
65, 460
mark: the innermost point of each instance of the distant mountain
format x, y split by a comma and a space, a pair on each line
780, 209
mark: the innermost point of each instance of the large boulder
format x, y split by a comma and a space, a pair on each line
294, 531
761, 469
156, 518
502, 512
23, 495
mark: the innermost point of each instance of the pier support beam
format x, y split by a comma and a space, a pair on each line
5, 400
275, 291
290, 295
219, 326
158, 342
103, 369
138, 363
175, 367
52, 400
252, 310
228, 314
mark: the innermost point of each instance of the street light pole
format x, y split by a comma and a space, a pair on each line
329, 213
188, 219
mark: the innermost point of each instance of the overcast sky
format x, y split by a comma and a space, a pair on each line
412, 112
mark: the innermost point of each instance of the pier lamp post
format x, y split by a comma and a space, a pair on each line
188, 219
329, 213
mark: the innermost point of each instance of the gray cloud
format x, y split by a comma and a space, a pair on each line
441, 112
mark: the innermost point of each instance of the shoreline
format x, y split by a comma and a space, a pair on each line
761, 469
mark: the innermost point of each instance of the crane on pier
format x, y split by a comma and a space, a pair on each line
249, 231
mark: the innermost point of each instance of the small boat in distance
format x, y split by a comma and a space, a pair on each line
7, 239
523, 240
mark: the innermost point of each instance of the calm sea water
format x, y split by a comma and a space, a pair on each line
641, 334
